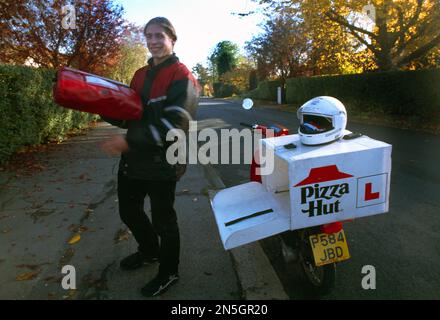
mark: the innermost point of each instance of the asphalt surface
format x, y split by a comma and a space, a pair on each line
402, 245
63, 211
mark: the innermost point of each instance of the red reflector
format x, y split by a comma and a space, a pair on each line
331, 227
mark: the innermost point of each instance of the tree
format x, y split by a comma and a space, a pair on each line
224, 57
202, 74
404, 31
281, 49
253, 79
238, 77
33, 30
204, 77
131, 56
294, 44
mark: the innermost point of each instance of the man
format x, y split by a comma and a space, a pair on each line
169, 93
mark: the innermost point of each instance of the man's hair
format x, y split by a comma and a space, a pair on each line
165, 24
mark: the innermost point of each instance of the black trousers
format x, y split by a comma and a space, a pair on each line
131, 194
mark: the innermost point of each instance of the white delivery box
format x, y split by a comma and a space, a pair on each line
309, 186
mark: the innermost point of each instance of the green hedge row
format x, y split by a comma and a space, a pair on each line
28, 115
411, 94
223, 90
266, 90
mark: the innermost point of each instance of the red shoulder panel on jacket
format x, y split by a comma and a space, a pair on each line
138, 79
182, 72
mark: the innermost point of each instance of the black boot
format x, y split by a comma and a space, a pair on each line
137, 260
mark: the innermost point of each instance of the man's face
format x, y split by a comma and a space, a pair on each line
158, 42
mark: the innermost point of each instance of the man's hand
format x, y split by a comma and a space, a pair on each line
115, 145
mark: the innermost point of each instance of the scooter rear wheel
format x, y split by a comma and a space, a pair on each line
320, 280
296, 248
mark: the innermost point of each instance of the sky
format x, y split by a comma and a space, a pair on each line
199, 24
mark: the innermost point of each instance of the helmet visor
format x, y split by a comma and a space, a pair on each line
314, 124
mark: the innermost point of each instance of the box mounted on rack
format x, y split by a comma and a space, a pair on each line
309, 186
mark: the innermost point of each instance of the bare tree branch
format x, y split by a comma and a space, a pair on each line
420, 51
334, 16
363, 41
405, 42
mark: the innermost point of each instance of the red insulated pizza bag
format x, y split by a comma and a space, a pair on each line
78, 90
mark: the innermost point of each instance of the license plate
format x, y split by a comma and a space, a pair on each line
329, 248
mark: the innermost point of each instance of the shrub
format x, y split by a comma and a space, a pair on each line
266, 90
223, 90
414, 94
28, 115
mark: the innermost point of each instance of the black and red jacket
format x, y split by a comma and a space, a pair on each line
169, 94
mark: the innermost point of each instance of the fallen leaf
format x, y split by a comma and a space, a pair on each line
70, 295
66, 257
121, 235
3, 217
49, 279
27, 276
75, 239
82, 229
36, 205
77, 229
32, 267
84, 176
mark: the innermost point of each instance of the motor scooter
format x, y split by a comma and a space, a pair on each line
316, 249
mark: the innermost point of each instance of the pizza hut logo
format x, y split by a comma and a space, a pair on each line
323, 200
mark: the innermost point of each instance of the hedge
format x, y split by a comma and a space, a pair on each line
410, 94
28, 115
223, 90
266, 90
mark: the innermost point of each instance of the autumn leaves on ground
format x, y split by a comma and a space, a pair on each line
51, 199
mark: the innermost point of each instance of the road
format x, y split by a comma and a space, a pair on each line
402, 245
71, 191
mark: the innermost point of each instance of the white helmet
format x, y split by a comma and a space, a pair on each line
322, 120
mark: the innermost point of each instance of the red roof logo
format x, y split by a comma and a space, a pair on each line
323, 174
